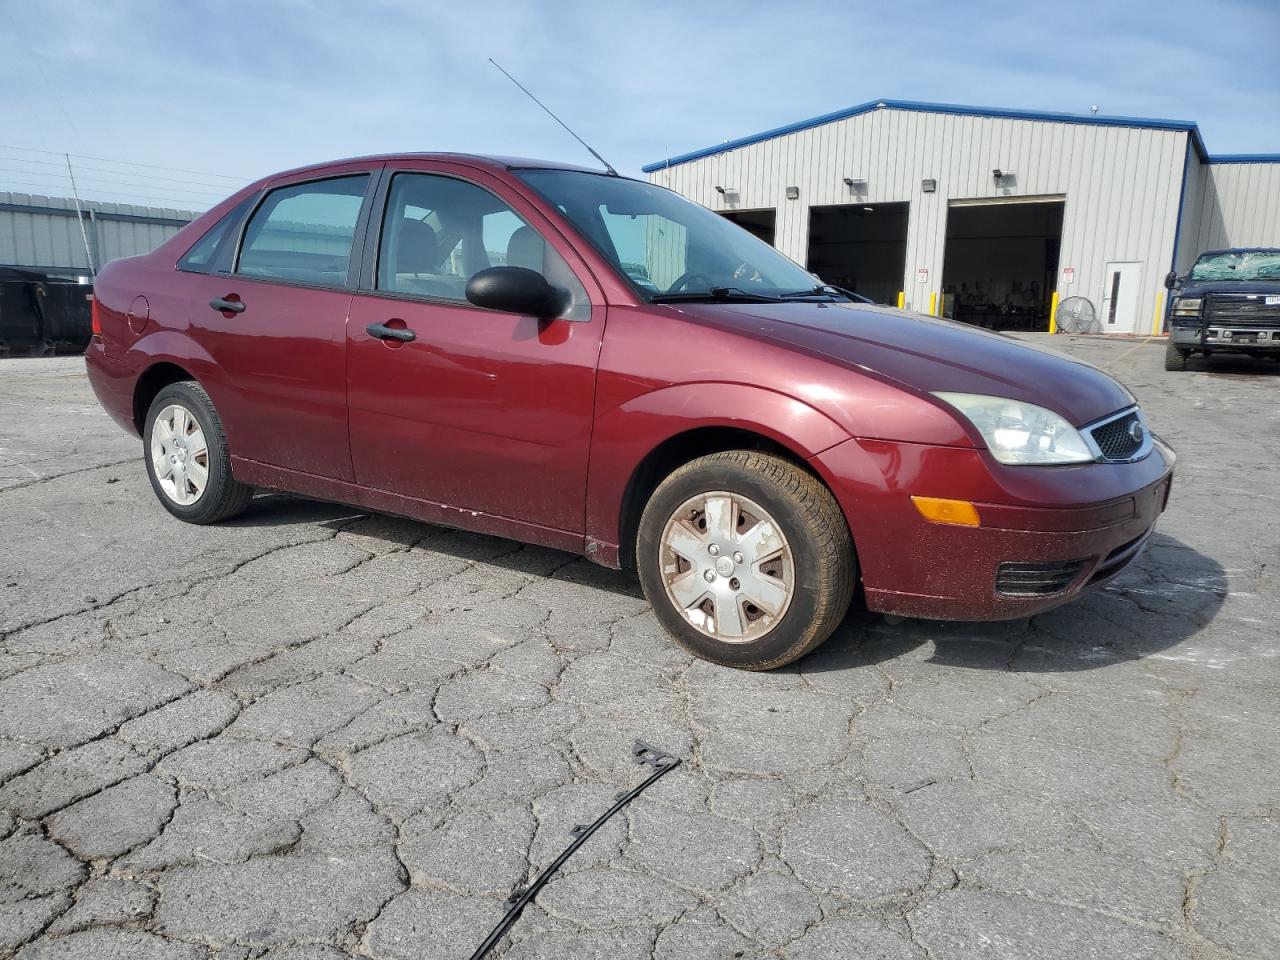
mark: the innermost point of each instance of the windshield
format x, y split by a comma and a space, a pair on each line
668, 247
1243, 265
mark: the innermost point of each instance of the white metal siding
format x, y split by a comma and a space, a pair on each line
36, 239
1237, 205
1122, 186
1192, 205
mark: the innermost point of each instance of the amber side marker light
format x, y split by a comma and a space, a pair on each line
960, 513
95, 316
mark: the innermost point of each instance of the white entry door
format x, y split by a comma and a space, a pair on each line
1122, 286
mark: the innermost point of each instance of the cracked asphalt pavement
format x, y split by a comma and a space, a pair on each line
313, 733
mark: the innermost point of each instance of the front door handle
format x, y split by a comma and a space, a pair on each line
383, 332
227, 304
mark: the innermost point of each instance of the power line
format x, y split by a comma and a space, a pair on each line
217, 194
97, 189
138, 200
144, 177
131, 163
91, 173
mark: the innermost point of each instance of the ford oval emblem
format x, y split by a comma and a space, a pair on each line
1136, 433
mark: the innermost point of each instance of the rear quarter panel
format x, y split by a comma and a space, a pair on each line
131, 345
128, 346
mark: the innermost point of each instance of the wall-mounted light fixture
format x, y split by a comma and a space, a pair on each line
725, 191
929, 185
998, 174
855, 183
793, 193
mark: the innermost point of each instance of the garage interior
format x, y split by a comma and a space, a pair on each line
1001, 262
861, 247
758, 222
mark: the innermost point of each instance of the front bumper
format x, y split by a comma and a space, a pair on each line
1232, 335
1099, 513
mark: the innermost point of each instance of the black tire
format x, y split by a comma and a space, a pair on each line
809, 518
223, 496
1175, 357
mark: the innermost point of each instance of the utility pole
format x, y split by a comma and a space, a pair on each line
93, 272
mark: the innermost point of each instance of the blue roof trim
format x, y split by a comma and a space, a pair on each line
1187, 126
1245, 158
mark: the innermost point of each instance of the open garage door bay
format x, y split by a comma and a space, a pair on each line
1001, 261
860, 247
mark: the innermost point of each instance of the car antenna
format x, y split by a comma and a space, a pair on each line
607, 165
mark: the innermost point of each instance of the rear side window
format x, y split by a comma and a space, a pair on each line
204, 256
304, 233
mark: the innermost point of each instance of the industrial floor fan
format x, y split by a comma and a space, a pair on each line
1076, 315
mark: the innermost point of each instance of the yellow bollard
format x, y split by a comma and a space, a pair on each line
933, 304
1156, 324
1053, 313
902, 299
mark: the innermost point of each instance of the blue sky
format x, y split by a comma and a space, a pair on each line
242, 89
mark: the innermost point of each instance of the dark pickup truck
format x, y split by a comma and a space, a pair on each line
1230, 301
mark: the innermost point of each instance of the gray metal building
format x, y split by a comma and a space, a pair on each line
42, 233
984, 214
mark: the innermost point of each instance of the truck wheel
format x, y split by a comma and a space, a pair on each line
187, 458
746, 559
1175, 357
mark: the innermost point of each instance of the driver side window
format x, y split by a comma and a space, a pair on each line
438, 232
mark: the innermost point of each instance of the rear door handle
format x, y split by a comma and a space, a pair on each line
383, 332
231, 306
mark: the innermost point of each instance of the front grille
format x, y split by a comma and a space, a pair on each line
1037, 579
1251, 309
1116, 438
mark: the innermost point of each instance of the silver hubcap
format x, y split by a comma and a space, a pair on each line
179, 455
727, 566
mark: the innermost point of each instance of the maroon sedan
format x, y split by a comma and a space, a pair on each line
596, 364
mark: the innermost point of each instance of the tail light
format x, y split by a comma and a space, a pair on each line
95, 316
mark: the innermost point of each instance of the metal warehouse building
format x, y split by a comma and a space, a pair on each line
984, 214
43, 234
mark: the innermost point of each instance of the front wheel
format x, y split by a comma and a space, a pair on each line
1175, 357
188, 462
746, 559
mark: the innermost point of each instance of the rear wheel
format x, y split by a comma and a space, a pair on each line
1175, 357
746, 559
188, 462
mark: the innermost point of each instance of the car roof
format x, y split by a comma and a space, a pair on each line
469, 159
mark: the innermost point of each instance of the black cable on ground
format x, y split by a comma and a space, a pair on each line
642, 753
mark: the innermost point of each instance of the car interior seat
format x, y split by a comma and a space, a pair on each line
417, 261
526, 249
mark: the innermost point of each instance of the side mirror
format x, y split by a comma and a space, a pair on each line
1171, 280
517, 290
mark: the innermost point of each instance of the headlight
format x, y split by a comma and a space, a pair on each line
1187, 307
1019, 433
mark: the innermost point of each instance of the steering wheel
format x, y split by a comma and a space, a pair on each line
683, 281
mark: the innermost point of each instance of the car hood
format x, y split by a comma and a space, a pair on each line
1198, 288
927, 354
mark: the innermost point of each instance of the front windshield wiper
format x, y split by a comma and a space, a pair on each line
824, 290
725, 294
